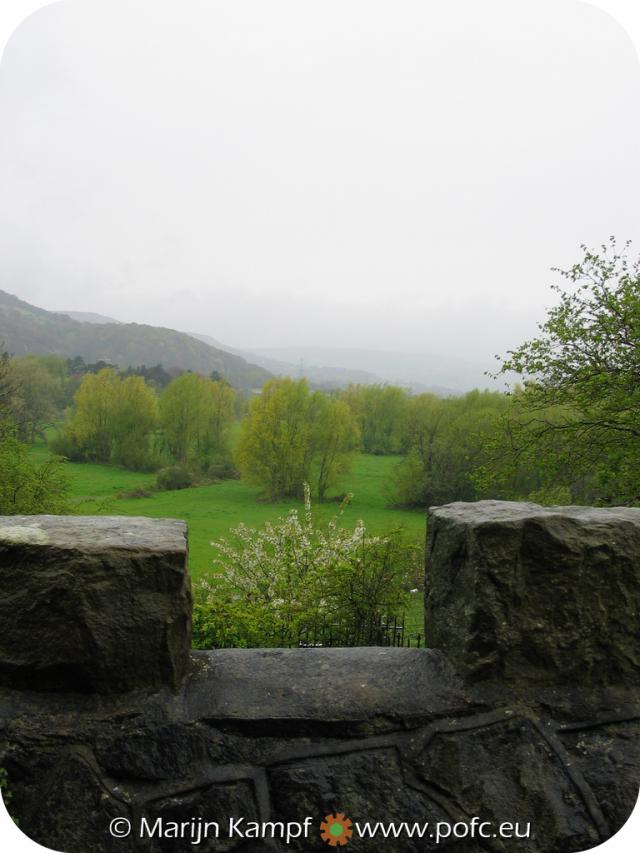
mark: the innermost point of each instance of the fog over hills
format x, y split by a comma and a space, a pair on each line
418, 371
337, 368
25, 328
88, 317
319, 375
388, 184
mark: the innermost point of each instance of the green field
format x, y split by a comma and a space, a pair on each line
211, 511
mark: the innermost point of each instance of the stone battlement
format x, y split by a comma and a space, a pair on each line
525, 707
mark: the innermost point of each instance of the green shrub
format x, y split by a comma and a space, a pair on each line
65, 444
222, 468
293, 579
26, 487
174, 478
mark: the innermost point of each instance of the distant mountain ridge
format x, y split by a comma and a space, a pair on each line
89, 317
419, 371
25, 328
328, 377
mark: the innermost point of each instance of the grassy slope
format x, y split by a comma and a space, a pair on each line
211, 511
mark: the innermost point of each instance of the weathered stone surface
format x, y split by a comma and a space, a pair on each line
532, 594
368, 786
606, 756
321, 685
75, 762
93, 603
381, 734
528, 783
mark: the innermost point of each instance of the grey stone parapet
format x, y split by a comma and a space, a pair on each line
93, 603
535, 595
526, 707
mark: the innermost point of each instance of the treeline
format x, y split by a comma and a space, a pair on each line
38, 389
120, 419
448, 449
569, 433
143, 418
193, 428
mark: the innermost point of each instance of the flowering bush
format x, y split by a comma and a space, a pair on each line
293, 581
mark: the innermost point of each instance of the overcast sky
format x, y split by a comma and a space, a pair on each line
392, 175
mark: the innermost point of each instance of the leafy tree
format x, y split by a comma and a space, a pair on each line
336, 438
112, 420
275, 446
6, 386
157, 377
196, 416
134, 419
220, 419
91, 422
446, 442
291, 434
38, 384
380, 412
579, 414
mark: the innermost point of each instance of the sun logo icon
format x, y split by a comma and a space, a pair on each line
336, 830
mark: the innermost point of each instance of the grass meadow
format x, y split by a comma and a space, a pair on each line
211, 511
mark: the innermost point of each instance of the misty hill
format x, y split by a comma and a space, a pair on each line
88, 317
27, 329
418, 371
327, 377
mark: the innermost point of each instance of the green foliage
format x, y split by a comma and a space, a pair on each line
212, 509
446, 441
196, 416
579, 415
290, 434
380, 412
34, 388
157, 377
292, 577
335, 441
113, 420
6, 386
27, 487
173, 478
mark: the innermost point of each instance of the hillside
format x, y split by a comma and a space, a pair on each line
88, 317
318, 376
26, 329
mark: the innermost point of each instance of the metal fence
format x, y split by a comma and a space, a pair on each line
383, 631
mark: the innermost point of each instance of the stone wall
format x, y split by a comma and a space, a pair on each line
525, 708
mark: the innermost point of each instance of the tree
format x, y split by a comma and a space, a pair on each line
112, 420
380, 412
220, 419
38, 383
445, 443
336, 439
579, 414
90, 424
6, 386
291, 436
275, 447
134, 419
196, 415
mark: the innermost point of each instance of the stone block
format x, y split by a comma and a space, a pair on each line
93, 603
535, 594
